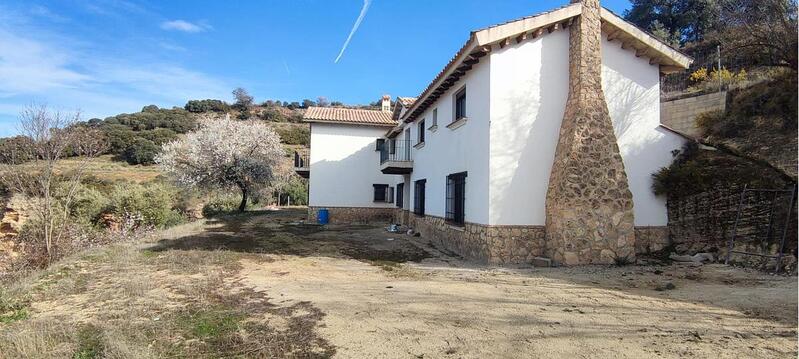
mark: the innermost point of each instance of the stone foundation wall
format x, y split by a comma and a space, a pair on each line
649, 239
483, 243
346, 215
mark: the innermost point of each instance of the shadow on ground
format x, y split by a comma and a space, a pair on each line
283, 233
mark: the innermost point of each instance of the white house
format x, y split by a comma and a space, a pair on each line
538, 138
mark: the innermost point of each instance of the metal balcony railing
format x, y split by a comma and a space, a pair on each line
397, 151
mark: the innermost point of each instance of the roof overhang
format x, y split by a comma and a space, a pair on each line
480, 43
644, 44
337, 122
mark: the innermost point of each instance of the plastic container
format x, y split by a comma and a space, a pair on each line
323, 216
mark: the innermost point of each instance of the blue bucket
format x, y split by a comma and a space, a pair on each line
323, 216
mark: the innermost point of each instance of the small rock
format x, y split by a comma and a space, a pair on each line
667, 286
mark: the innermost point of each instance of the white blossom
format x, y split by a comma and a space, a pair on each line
224, 153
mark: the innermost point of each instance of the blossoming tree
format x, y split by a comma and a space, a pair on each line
224, 153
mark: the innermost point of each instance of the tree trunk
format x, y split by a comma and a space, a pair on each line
243, 204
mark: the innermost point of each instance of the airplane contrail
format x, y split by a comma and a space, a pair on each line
365, 7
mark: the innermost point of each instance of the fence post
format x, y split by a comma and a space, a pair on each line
718, 70
785, 230
735, 226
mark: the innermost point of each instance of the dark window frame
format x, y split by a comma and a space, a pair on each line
400, 196
419, 196
455, 198
380, 193
459, 105
420, 135
379, 144
435, 118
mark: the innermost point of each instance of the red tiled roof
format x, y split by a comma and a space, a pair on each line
348, 115
406, 101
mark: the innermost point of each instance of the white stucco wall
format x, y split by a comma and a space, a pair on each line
632, 92
448, 151
529, 87
345, 165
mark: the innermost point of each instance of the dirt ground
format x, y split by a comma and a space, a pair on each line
358, 292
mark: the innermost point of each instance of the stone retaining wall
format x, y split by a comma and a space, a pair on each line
345, 215
649, 239
681, 114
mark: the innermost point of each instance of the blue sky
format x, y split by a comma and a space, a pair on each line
111, 56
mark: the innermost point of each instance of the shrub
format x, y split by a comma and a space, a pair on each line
706, 121
208, 105
222, 203
88, 205
153, 201
159, 136
140, 151
294, 135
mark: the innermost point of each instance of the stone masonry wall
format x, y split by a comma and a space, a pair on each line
650, 239
704, 223
346, 215
483, 243
681, 114
589, 207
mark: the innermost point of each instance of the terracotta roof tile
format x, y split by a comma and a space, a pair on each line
348, 115
406, 101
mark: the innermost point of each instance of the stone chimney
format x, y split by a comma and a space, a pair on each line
386, 104
589, 207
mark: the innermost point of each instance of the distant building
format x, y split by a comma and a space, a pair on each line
538, 138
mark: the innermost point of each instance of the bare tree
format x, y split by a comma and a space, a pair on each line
224, 153
243, 98
761, 32
33, 170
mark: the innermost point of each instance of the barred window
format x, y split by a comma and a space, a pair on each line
418, 196
383, 193
456, 198
399, 196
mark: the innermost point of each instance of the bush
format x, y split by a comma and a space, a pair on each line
208, 105
223, 203
694, 171
88, 205
140, 151
154, 202
294, 135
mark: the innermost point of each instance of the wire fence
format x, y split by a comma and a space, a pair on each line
712, 70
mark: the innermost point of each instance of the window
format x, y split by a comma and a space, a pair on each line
379, 144
383, 193
435, 118
392, 146
456, 198
400, 189
460, 105
418, 197
420, 138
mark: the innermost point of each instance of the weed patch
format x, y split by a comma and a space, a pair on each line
90, 342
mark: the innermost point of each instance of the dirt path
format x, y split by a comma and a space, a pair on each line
448, 308
266, 285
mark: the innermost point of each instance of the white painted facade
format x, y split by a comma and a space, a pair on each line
516, 97
345, 165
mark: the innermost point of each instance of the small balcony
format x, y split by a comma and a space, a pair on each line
395, 157
302, 165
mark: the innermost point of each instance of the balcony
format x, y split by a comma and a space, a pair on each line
395, 157
302, 165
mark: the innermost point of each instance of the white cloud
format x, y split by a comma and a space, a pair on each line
35, 67
185, 26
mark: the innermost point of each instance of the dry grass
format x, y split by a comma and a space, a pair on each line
105, 168
127, 301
